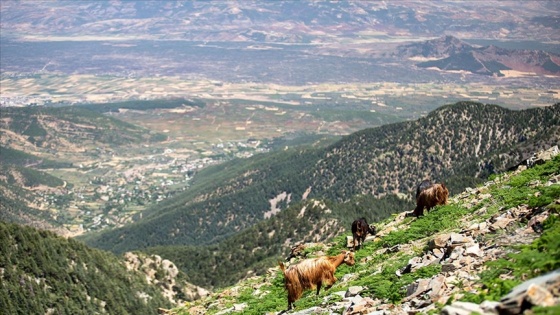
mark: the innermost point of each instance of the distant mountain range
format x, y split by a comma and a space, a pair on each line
278, 21
287, 42
450, 53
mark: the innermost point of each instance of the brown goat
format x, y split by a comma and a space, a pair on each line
311, 273
429, 197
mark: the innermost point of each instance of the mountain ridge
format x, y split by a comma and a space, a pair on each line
451, 53
274, 21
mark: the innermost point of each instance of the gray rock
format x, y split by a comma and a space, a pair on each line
309, 311
489, 306
416, 288
474, 250
437, 285
438, 252
531, 291
448, 267
458, 239
440, 241
462, 308
353, 291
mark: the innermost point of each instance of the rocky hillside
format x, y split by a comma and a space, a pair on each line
488, 251
163, 274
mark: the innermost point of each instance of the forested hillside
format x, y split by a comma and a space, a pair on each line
18, 196
43, 273
456, 144
394, 158
459, 144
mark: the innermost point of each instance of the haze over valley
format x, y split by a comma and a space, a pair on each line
183, 128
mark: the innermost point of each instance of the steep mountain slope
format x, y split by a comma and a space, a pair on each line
394, 158
20, 190
307, 221
43, 273
459, 144
463, 257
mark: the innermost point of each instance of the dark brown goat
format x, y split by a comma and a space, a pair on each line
360, 230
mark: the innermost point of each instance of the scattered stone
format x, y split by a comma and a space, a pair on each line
539, 296
309, 311
439, 241
438, 252
449, 267
500, 224
353, 291
458, 239
394, 249
474, 251
437, 284
416, 288
462, 308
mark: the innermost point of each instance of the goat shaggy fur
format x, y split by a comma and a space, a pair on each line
311, 273
429, 196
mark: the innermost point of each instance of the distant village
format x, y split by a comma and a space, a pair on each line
111, 198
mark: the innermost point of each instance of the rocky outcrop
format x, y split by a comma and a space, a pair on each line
166, 276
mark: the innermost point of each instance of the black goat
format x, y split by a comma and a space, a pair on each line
360, 230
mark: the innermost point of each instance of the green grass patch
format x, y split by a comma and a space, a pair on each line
439, 219
387, 285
